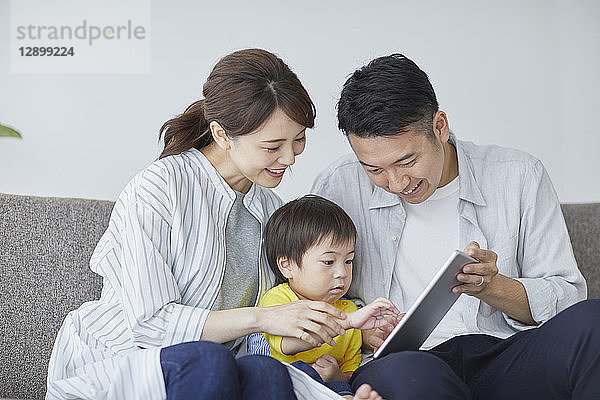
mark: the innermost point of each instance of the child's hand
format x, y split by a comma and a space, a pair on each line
367, 317
328, 368
373, 338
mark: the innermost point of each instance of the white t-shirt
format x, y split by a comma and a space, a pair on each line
430, 235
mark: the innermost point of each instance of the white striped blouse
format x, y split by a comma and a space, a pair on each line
162, 259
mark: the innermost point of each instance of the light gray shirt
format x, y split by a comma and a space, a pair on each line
506, 203
239, 287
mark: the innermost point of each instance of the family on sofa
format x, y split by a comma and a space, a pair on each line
186, 259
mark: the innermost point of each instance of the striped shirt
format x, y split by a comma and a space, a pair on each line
162, 259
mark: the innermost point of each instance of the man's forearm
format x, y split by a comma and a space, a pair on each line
509, 296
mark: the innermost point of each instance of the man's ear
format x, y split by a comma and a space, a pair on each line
285, 266
219, 135
440, 126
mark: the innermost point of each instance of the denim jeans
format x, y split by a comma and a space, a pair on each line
206, 370
340, 387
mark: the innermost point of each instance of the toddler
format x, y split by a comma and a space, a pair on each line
310, 247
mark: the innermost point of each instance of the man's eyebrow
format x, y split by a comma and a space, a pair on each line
406, 157
282, 140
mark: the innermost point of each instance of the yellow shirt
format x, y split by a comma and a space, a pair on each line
346, 350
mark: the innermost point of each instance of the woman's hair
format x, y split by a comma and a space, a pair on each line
302, 223
386, 97
241, 93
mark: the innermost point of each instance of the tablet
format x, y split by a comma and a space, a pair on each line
429, 308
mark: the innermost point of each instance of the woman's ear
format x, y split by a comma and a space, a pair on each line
219, 135
285, 266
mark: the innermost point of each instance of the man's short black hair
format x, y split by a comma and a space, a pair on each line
386, 97
302, 223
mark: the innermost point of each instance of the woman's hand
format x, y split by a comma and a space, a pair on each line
371, 315
313, 322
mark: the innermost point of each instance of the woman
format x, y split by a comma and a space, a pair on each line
182, 261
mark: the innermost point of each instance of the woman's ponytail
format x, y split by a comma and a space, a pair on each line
185, 131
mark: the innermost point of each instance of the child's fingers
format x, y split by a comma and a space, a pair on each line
384, 324
384, 312
384, 304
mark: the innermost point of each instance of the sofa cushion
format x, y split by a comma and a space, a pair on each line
583, 223
45, 247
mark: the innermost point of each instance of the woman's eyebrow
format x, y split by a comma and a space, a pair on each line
282, 140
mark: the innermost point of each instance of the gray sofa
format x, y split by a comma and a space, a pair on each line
45, 246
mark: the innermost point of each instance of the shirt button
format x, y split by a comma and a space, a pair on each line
394, 238
383, 283
399, 211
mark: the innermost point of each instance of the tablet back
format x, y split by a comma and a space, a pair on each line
428, 310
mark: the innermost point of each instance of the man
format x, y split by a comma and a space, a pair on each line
416, 193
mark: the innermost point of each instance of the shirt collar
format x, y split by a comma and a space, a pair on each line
218, 181
468, 188
381, 198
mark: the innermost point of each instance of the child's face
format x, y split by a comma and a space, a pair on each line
325, 273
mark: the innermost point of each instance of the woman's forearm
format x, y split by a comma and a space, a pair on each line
314, 321
225, 325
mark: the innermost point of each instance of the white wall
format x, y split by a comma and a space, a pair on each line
517, 73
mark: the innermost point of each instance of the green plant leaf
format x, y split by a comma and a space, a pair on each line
6, 131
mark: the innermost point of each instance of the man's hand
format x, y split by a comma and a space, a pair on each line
477, 277
328, 368
483, 281
372, 315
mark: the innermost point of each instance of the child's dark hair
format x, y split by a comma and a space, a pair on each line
301, 224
